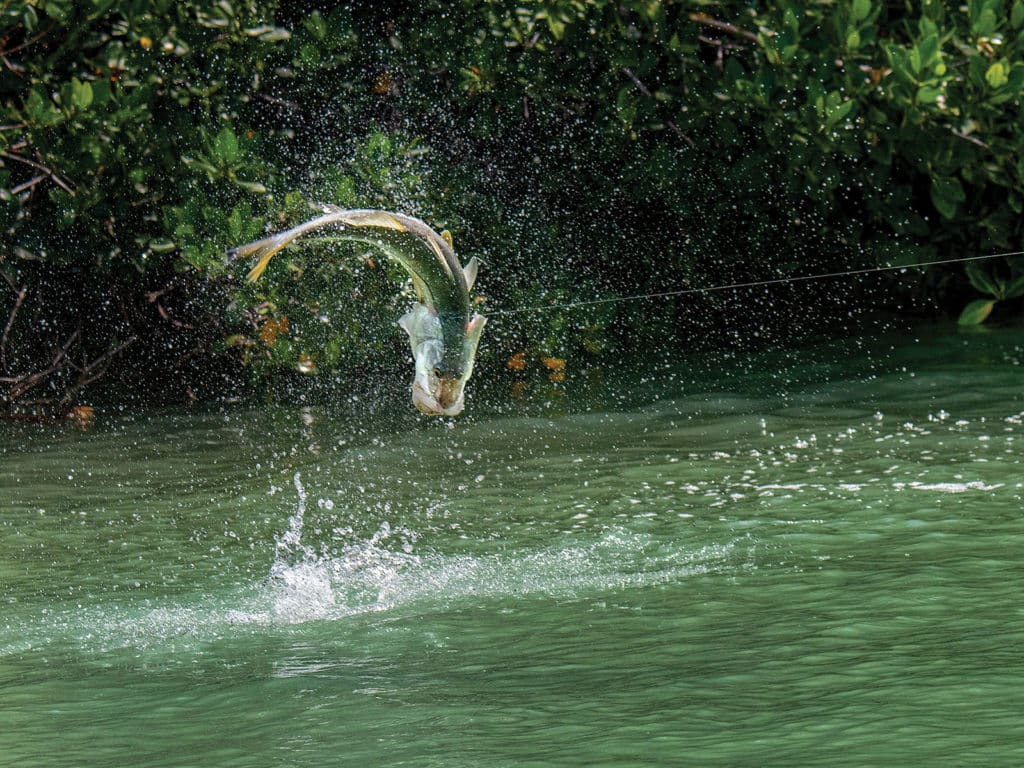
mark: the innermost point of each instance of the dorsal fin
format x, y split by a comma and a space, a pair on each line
381, 219
447, 237
470, 271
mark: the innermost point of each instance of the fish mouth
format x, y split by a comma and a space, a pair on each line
438, 397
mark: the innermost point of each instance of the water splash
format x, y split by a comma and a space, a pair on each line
289, 544
361, 577
367, 576
301, 588
306, 585
352, 575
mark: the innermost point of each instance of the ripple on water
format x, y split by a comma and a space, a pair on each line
816, 580
367, 577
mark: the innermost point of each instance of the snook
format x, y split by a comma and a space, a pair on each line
443, 332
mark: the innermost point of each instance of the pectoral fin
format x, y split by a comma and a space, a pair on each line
473, 331
420, 323
405, 322
470, 272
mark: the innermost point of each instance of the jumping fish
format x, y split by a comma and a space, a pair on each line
443, 331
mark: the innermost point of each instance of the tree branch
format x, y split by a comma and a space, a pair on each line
30, 41
723, 26
94, 370
40, 167
24, 383
646, 92
636, 81
968, 137
19, 298
27, 185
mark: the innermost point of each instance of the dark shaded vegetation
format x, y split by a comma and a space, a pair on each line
581, 150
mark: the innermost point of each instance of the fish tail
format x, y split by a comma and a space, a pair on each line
268, 246
261, 265
264, 249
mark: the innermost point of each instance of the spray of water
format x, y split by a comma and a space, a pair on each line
382, 572
361, 577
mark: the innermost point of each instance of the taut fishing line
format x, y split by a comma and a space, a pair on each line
752, 284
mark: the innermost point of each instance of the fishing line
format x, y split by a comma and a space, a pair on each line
753, 284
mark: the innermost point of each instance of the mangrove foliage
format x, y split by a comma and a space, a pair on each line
579, 149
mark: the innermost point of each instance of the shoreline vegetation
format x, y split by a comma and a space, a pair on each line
594, 150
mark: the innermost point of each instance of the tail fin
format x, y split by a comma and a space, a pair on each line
268, 246
265, 249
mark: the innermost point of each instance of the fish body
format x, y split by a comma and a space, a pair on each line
443, 331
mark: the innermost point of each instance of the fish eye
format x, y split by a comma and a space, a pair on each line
437, 372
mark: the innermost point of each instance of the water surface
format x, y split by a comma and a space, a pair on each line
812, 559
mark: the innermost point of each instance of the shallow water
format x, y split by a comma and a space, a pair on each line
811, 559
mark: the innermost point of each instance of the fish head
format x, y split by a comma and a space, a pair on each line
444, 352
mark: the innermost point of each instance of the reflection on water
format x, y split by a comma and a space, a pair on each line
786, 565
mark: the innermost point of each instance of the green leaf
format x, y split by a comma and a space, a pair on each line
40, 109
840, 112
1015, 289
853, 40
225, 146
981, 280
1015, 80
927, 26
100, 92
836, 110
861, 9
556, 25
946, 194
29, 18
235, 223
976, 70
625, 105
81, 93
251, 186
976, 312
915, 60
1017, 14
928, 94
929, 47
316, 25
997, 74
55, 9
985, 24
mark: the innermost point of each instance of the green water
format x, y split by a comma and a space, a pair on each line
813, 559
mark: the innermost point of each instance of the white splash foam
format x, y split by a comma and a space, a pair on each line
379, 573
974, 485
